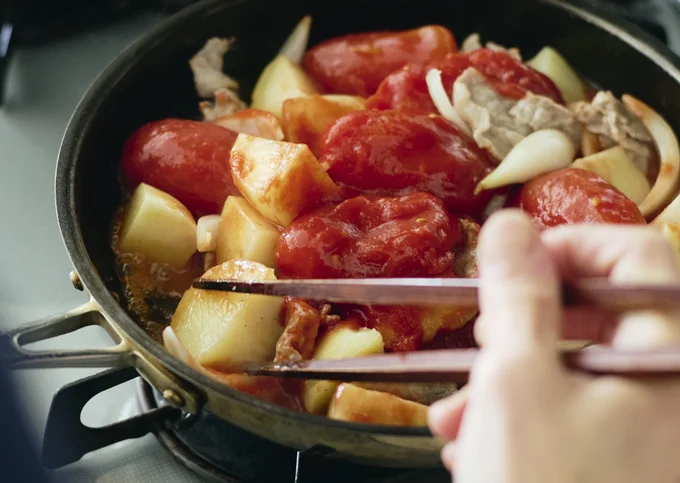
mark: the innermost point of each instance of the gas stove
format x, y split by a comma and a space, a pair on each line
44, 79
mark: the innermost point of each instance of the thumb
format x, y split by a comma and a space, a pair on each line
520, 293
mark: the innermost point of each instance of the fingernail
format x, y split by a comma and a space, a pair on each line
509, 246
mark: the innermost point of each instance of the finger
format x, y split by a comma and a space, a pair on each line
445, 416
627, 253
588, 324
519, 296
448, 456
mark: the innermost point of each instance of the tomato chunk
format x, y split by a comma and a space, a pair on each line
575, 196
390, 152
406, 88
357, 63
187, 159
368, 237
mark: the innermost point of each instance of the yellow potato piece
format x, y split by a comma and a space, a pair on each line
279, 179
434, 319
306, 118
280, 80
245, 235
158, 226
671, 232
550, 63
341, 342
354, 404
218, 328
617, 169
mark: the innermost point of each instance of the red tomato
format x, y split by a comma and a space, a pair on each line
356, 64
187, 159
390, 152
408, 236
406, 89
575, 196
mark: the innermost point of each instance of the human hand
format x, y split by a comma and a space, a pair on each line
524, 417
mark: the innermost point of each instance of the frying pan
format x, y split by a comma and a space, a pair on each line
151, 80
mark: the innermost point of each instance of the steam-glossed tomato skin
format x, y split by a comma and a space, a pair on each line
575, 196
408, 236
356, 64
187, 159
390, 152
406, 88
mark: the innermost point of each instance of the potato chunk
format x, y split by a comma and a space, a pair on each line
617, 169
218, 328
354, 404
671, 232
280, 80
306, 118
245, 235
342, 341
158, 226
279, 179
550, 63
445, 318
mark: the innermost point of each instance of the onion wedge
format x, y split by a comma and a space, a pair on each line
175, 347
255, 122
539, 153
296, 44
590, 143
670, 214
669, 154
206, 233
442, 101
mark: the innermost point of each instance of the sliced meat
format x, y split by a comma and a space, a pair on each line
539, 112
302, 326
499, 123
465, 263
226, 103
616, 125
473, 42
207, 68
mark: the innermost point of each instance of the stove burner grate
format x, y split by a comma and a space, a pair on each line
221, 452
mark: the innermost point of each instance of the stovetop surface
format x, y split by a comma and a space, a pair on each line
45, 83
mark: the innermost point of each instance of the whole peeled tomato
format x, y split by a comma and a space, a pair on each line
575, 196
370, 237
394, 153
187, 159
406, 88
356, 64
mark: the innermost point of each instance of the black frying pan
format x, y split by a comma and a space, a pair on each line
151, 80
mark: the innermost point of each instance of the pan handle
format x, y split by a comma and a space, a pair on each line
16, 356
64, 420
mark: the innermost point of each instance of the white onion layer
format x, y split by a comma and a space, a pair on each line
442, 101
296, 44
669, 152
539, 153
